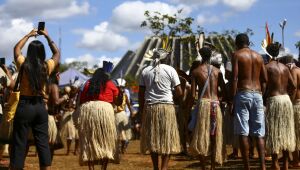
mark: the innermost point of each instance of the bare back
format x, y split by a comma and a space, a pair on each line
250, 68
199, 77
280, 79
296, 77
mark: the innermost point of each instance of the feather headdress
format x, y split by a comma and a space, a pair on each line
157, 54
267, 41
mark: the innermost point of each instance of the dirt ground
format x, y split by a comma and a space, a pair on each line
132, 160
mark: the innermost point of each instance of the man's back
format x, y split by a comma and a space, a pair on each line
160, 91
279, 78
250, 69
200, 75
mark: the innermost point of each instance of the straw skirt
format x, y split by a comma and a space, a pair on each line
160, 130
123, 126
280, 133
97, 131
52, 129
68, 130
297, 125
200, 144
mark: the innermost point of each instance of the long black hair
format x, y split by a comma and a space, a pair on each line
97, 82
35, 67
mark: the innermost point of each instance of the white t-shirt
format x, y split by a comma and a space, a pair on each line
161, 91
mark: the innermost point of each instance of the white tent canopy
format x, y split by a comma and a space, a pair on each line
69, 76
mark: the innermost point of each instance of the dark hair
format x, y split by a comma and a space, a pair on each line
287, 59
205, 53
35, 67
97, 82
241, 40
273, 49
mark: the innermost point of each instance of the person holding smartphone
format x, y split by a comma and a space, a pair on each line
31, 111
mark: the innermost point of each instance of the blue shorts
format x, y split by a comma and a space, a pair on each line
249, 115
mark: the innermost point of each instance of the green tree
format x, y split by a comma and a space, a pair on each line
168, 25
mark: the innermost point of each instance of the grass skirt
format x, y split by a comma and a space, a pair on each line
52, 129
280, 133
200, 144
297, 124
160, 130
97, 131
68, 130
123, 126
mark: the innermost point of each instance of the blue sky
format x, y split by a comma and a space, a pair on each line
105, 29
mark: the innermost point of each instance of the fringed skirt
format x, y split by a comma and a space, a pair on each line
297, 124
97, 131
52, 129
68, 130
280, 133
123, 126
200, 144
160, 130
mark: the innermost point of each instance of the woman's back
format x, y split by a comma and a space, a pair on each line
106, 94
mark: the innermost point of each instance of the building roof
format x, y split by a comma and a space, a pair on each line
183, 54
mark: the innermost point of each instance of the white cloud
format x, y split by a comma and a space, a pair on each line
11, 32
129, 15
45, 9
205, 19
101, 38
297, 33
239, 5
196, 2
73, 9
92, 60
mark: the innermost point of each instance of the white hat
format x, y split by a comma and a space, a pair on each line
121, 82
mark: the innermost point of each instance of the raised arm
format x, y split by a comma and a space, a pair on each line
22, 42
53, 47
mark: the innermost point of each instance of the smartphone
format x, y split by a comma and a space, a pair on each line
41, 26
2, 61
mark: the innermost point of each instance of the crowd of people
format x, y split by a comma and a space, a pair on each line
196, 114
